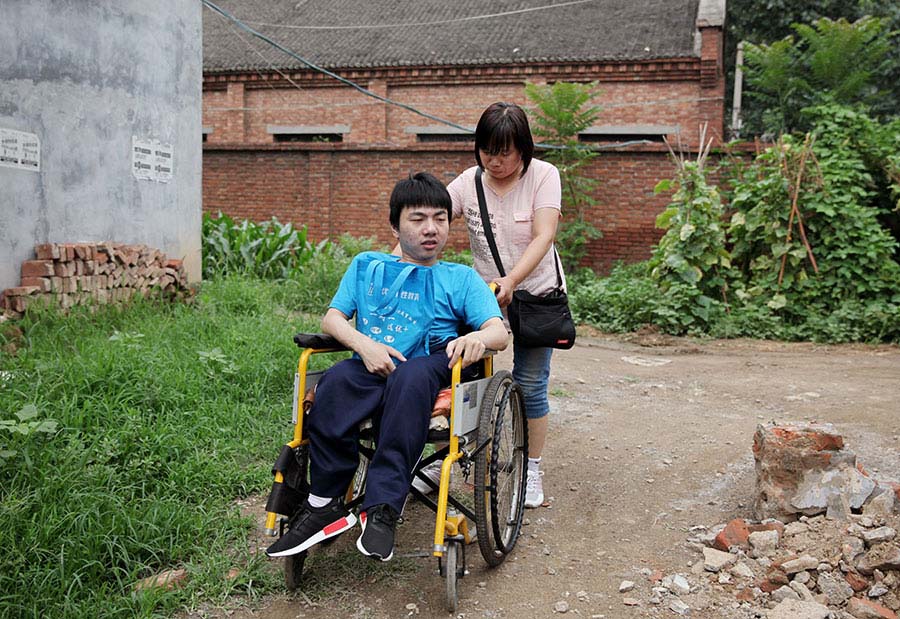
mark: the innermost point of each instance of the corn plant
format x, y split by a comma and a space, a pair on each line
268, 250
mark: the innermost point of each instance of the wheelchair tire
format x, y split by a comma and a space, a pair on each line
293, 570
451, 574
500, 468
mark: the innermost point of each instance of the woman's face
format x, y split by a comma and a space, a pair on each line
505, 164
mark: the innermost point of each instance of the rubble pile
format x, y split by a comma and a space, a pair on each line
67, 274
813, 567
832, 552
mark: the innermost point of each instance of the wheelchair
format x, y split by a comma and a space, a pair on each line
487, 437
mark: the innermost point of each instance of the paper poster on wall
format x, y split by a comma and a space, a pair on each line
142, 159
151, 160
19, 149
162, 161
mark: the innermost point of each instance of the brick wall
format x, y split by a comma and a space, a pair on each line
344, 187
346, 190
241, 113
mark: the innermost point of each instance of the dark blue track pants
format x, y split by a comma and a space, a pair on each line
400, 407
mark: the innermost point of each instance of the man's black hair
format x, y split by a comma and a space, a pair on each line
420, 189
503, 125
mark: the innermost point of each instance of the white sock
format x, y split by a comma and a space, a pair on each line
534, 464
318, 501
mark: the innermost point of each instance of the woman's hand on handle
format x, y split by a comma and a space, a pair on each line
505, 288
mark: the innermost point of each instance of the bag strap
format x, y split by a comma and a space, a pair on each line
374, 283
489, 232
486, 222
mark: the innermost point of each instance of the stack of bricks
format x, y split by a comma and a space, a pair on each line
67, 274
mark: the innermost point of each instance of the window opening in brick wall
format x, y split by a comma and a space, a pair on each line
617, 134
620, 137
308, 137
440, 133
436, 137
307, 133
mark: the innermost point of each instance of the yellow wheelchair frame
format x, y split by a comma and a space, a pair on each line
487, 429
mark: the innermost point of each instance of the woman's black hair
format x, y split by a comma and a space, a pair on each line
503, 125
420, 189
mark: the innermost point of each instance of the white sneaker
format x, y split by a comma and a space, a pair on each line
534, 489
432, 472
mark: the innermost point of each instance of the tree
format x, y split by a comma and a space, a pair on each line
744, 24
792, 74
562, 113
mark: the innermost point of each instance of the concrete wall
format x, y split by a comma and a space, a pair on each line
86, 77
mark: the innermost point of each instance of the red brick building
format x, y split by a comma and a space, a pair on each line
282, 139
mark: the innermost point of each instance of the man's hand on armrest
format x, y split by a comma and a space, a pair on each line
376, 356
470, 347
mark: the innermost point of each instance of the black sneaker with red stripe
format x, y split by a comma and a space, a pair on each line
377, 539
311, 525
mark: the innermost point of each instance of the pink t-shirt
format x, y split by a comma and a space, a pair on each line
511, 219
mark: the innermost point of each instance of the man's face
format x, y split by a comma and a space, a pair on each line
422, 233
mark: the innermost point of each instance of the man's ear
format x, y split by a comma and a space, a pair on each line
395, 232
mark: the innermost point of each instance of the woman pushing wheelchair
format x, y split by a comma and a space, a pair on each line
521, 198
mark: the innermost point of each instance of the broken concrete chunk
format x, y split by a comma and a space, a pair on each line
881, 534
741, 570
835, 588
763, 542
784, 593
851, 549
838, 507
802, 590
679, 608
805, 562
816, 488
865, 609
795, 609
882, 502
715, 560
785, 455
880, 557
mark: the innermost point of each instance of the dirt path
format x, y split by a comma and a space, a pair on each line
649, 437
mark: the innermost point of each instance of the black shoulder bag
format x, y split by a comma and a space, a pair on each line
536, 322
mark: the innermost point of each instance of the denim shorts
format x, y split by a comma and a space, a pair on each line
531, 369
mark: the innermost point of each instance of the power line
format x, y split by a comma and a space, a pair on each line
242, 25
426, 23
315, 67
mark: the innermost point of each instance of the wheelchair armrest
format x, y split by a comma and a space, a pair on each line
318, 341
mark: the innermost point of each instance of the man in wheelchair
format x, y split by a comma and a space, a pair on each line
380, 383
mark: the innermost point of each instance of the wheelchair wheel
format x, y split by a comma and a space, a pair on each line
453, 566
293, 570
500, 468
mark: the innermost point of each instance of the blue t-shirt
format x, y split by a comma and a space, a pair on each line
461, 298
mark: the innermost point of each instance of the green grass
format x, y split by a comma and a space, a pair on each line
165, 415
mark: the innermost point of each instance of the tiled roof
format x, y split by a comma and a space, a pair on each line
389, 33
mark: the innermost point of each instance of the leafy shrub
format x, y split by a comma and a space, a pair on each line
622, 302
690, 261
836, 279
854, 264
